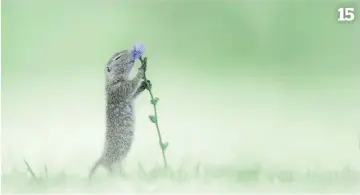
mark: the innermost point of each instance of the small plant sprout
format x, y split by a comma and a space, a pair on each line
30, 170
33, 175
137, 51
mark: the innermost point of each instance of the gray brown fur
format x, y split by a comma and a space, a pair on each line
120, 94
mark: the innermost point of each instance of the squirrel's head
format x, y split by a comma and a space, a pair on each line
119, 65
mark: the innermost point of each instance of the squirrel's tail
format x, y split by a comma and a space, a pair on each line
96, 166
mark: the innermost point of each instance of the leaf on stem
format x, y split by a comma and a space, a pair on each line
154, 101
164, 145
153, 119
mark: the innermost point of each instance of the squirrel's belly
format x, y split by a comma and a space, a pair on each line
117, 149
119, 110
119, 138
119, 130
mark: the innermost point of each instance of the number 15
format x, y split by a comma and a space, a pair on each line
346, 14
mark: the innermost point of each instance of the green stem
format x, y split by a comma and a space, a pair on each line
156, 117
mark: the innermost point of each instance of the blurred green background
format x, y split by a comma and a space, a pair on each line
274, 83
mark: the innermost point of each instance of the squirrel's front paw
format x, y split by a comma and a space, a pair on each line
141, 73
145, 85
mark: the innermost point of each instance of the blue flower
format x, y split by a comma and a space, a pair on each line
137, 51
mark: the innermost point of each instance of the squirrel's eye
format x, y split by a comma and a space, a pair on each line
108, 69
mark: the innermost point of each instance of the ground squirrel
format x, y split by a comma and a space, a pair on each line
120, 94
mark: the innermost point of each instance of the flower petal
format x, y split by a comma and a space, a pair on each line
137, 51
